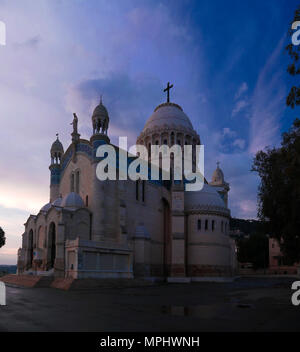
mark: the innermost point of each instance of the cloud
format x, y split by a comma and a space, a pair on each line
247, 208
227, 142
127, 100
51, 68
239, 143
60, 56
239, 106
242, 89
31, 43
228, 132
267, 104
11, 220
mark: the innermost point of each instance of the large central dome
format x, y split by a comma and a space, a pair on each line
168, 114
168, 125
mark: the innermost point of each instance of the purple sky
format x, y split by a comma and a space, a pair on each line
226, 60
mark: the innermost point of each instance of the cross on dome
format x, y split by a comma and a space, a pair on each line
167, 89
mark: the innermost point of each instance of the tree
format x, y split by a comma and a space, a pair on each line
254, 249
247, 227
279, 171
2, 238
293, 69
279, 192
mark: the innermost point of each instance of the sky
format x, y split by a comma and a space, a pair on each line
226, 60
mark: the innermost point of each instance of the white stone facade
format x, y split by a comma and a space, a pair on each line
126, 229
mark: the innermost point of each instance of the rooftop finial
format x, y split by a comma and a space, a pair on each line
218, 164
57, 136
101, 98
167, 89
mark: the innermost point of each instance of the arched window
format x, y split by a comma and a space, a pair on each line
213, 225
172, 138
206, 224
72, 183
222, 226
77, 181
87, 201
199, 224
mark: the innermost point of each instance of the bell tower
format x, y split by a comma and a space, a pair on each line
100, 122
218, 182
56, 153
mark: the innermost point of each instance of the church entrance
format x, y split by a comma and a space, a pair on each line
52, 244
167, 248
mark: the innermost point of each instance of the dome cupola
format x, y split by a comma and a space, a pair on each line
169, 114
218, 176
57, 151
72, 201
208, 200
100, 119
219, 183
169, 125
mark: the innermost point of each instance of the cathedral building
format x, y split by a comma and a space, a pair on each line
124, 228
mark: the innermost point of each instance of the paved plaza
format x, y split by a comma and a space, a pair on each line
248, 304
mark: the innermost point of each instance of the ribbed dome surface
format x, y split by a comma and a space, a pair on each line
169, 114
57, 146
207, 197
100, 111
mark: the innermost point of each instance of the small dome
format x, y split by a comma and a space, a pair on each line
57, 202
168, 114
100, 119
206, 199
57, 147
72, 200
100, 111
218, 177
46, 207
